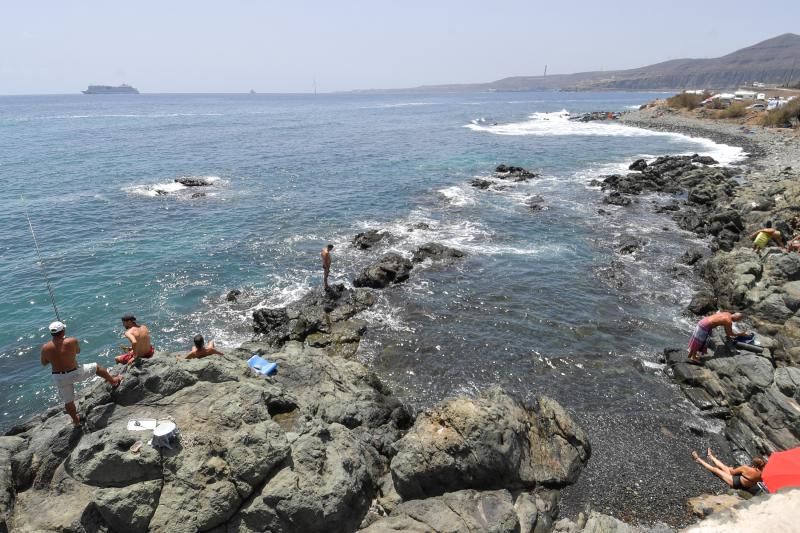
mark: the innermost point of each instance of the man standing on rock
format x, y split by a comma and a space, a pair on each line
139, 335
62, 354
702, 333
326, 264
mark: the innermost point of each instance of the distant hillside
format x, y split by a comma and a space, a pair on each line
775, 60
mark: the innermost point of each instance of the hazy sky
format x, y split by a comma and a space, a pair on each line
60, 46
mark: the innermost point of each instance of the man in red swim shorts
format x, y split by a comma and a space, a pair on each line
139, 335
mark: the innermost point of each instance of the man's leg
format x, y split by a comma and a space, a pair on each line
103, 373
325, 277
72, 411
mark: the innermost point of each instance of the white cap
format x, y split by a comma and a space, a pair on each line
57, 327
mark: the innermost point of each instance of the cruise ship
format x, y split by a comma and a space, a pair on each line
108, 89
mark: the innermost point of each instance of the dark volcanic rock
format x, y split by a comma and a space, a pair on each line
368, 239
690, 257
389, 269
193, 182
198, 195
435, 252
233, 295
326, 313
616, 198
512, 173
703, 302
638, 165
704, 160
631, 244
480, 183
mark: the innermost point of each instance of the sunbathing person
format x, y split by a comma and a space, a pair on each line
739, 478
200, 350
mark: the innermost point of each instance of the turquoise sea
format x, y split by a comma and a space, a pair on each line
543, 303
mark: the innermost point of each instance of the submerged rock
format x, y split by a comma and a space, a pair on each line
479, 183
435, 252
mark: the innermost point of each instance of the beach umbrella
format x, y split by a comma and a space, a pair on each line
782, 470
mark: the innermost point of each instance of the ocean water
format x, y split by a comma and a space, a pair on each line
543, 304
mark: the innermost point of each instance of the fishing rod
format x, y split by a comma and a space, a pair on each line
41, 261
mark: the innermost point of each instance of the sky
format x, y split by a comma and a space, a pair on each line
61, 46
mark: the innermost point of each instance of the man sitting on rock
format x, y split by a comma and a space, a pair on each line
62, 353
702, 333
764, 236
200, 350
139, 335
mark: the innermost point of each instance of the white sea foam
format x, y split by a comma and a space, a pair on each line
558, 124
171, 187
458, 195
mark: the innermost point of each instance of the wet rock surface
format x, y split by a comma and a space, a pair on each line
436, 252
390, 269
512, 173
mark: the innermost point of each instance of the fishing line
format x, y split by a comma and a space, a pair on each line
41, 261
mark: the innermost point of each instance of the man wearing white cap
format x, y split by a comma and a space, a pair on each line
62, 354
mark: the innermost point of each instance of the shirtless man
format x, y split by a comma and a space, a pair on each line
200, 350
326, 264
764, 236
699, 340
739, 478
139, 335
62, 354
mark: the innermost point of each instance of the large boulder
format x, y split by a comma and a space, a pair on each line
390, 269
490, 442
319, 311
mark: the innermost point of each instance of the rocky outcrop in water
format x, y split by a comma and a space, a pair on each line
512, 173
193, 182
367, 239
390, 269
436, 252
321, 318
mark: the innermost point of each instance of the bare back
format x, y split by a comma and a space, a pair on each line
139, 335
720, 319
61, 354
326, 258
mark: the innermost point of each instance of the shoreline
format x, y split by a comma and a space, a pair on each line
341, 339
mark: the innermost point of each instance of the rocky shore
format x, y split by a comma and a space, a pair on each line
325, 446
